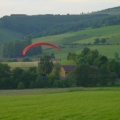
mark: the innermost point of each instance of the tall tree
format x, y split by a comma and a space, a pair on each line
45, 65
87, 75
86, 51
4, 71
56, 71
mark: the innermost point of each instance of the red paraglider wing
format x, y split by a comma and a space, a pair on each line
38, 44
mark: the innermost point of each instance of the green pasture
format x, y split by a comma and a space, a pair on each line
114, 39
60, 104
83, 35
24, 65
110, 39
107, 50
56, 39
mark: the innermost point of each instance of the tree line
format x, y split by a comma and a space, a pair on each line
92, 70
14, 49
45, 75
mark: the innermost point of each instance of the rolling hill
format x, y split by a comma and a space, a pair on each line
76, 41
110, 11
9, 35
71, 32
16, 26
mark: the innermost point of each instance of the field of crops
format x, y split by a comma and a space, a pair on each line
60, 104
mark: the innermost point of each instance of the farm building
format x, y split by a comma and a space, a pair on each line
65, 69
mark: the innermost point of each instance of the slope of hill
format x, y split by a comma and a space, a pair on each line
110, 11
76, 41
79, 30
8, 35
49, 24
73, 37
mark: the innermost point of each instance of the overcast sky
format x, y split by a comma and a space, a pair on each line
35, 7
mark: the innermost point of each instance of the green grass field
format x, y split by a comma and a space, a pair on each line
60, 104
107, 50
24, 65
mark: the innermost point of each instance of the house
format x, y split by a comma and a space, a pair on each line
65, 69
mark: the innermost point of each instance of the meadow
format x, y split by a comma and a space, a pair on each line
60, 104
24, 65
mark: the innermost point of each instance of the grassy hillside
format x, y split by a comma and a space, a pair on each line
44, 25
76, 41
7, 35
111, 11
81, 38
60, 104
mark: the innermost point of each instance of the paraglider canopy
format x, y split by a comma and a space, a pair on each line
38, 44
